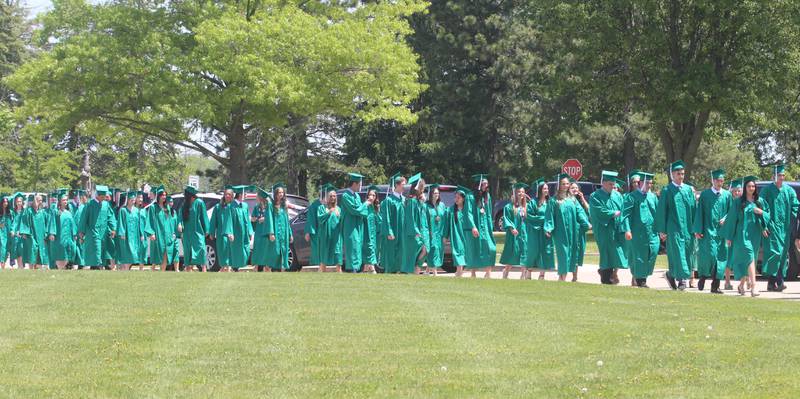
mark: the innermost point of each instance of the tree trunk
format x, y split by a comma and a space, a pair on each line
296, 155
237, 170
681, 139
629, 152
86, 170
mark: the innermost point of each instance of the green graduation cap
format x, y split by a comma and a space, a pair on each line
240, 189
778, 169
18, 195
480, 177
78, 192
430, 188
327, 188
560, 176
123, 194
677, 165
392, 180
646, 176
736, 183
748, 179
718, 174
608, 175
413, 180
620, 183
353, 177
263, 193
169, 198
31, 197
190, 190
463, 190
132, 194
277, 186
373, 187
517, 186
157, 190
101, 190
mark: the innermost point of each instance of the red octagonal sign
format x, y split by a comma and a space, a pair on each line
573, 168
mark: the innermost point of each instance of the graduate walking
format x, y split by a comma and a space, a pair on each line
220, 229
539, 222
194, 217
354, 213
97, 222
674, 221
781, 200
610, 226
745, 225
242, 228
583, 211
458, 224
310, 228
480, 244
435, 213
33, 231
6, 229
329, 219
645, 243
515, 251
372, 225
709, 219
568, 220
415, 239
129, 234
392, 224
66, 231
161, 230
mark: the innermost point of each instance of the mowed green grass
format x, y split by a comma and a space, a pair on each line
83, 334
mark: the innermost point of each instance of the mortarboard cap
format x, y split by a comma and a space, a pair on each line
718, 174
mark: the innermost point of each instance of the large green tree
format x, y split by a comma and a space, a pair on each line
680, 62
218, 76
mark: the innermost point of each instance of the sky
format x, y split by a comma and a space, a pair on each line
36, 6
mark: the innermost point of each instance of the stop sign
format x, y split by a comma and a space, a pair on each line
573, 168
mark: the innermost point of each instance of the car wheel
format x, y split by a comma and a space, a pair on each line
211, 257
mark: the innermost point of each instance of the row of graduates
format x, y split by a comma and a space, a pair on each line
404, 231
712, 233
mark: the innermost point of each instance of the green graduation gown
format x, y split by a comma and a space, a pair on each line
261, 231
110, 244
783, 206
481, 251
609, 231
392, 224
219, 227
195, 229
33, 227
15, 242
6, 240
568, 220
177, 224
435, 219
52, 227
128, 237
675, 217
709, 218
310, 228
415, 230
580, 248
79, 245
744, 229
63, 247
539, 222
160, 224
96, 223
144, 258
515, 250
372, 225
458, 224
644, 246
354, 212
329, 231
242, 233
274, 254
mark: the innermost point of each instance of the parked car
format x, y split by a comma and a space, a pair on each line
301, 249
794, 253
586, 187
294, 203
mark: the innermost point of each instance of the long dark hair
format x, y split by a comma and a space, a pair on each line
455, 205
5, 208
755, 196
187, 196
377, 203
539, 193
430, 197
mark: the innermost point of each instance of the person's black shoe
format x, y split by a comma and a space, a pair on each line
671, 281
701, 284
771, 287
682, 285
716, 291
605, 276
715, 286
780, 287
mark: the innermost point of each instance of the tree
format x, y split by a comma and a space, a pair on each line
680, 62
216, 76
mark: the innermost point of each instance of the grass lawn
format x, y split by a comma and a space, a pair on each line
143, 334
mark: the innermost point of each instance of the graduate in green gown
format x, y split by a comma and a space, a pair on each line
129, 233
329, 231
160, 229
220, 229
415, 239
783, 206
372, 224
277, 229
177, 225
745, 225
539, 225
610, 226
16, 243
354, 213
735, 188
6, 228
262, 229
242, 228
66, 231
82, 198
96, 223
435, 212
110, 243
674, 220
392, 225
709, 218
33, 230
458, 224
568, 219
643, 251
481, 246
583, 210
194, 217
310, 227
515, 250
